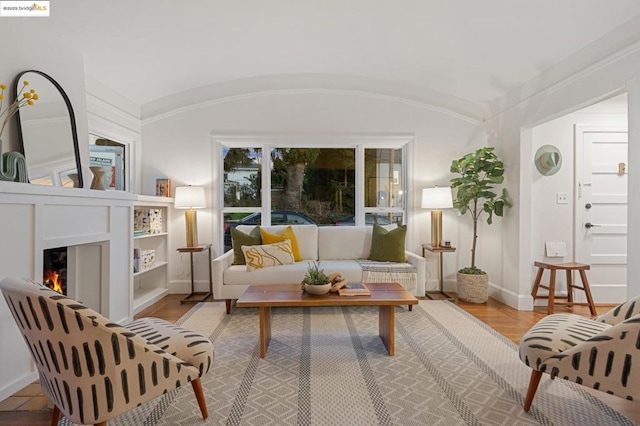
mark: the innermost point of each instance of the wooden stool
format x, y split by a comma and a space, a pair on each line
569, 267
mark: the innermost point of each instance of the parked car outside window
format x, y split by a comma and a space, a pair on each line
369, 219
278, 217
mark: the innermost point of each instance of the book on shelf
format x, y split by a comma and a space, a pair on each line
147, 221
163, 187
354, 289
136, 260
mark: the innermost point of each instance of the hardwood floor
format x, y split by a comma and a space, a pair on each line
27, 407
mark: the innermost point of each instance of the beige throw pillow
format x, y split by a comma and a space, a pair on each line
263, 256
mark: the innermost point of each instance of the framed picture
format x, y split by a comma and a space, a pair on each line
109, 157
163, 187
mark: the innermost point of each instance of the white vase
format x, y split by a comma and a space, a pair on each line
98, 174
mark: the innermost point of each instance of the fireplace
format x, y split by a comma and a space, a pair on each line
54, 269
96, 229
78, 272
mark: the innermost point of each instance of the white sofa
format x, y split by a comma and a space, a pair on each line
336, 248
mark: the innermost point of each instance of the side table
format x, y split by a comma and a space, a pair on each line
439, 251
191, 298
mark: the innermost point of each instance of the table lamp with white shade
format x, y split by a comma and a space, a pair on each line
190, 198
436, 199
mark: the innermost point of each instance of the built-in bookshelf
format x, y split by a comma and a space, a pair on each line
150, 250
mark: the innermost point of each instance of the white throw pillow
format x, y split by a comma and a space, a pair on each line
267, 255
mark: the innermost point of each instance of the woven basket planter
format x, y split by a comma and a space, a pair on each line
473, 288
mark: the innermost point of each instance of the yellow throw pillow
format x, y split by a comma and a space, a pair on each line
285, 234
267, 255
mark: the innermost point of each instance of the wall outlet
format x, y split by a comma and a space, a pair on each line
556, 248
562, 198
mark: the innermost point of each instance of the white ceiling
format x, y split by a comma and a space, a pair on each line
473, 51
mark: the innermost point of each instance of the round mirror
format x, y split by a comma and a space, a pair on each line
47, 133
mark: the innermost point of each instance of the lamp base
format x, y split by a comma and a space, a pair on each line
436, 228
191, 222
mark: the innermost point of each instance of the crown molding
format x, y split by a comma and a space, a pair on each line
323, 84
528, 92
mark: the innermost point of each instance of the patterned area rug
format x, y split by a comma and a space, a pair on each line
327, 366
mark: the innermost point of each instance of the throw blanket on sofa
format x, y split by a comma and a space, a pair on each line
384, 272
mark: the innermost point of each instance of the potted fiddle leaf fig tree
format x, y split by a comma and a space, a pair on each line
478, 174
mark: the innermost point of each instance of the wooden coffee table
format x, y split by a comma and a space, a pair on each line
383, 295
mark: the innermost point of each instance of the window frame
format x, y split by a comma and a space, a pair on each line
266, 142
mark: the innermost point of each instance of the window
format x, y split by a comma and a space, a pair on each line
328, 183
384, 184
317, 182
242, 177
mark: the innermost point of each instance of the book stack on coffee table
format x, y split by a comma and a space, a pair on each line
354, 289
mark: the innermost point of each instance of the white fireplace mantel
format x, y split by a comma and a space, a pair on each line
98, 224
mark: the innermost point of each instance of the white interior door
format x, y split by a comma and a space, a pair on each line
601, 210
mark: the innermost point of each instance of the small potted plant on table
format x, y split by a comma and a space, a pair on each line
478, 172
315, 280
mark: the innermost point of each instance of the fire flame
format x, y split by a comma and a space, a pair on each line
52, 278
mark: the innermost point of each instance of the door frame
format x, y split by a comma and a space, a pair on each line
578, 141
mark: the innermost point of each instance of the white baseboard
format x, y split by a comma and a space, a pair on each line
521, 302
9, 389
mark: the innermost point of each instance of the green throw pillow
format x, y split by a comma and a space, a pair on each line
239, 239
388, 246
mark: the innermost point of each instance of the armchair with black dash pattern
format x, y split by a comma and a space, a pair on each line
601, 353
94, 370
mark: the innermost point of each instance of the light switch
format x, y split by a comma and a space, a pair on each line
556, 248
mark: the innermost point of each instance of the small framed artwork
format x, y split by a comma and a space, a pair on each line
163, 187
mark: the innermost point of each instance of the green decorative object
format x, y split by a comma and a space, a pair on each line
13, 167
388, 246
315, 280
240, 239
315, 275
479, 172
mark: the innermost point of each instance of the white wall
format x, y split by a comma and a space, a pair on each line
41, 51
510, 131
179, 146
552, 221
112, 116
633, 233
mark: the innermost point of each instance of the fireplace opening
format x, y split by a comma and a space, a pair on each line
55, 269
